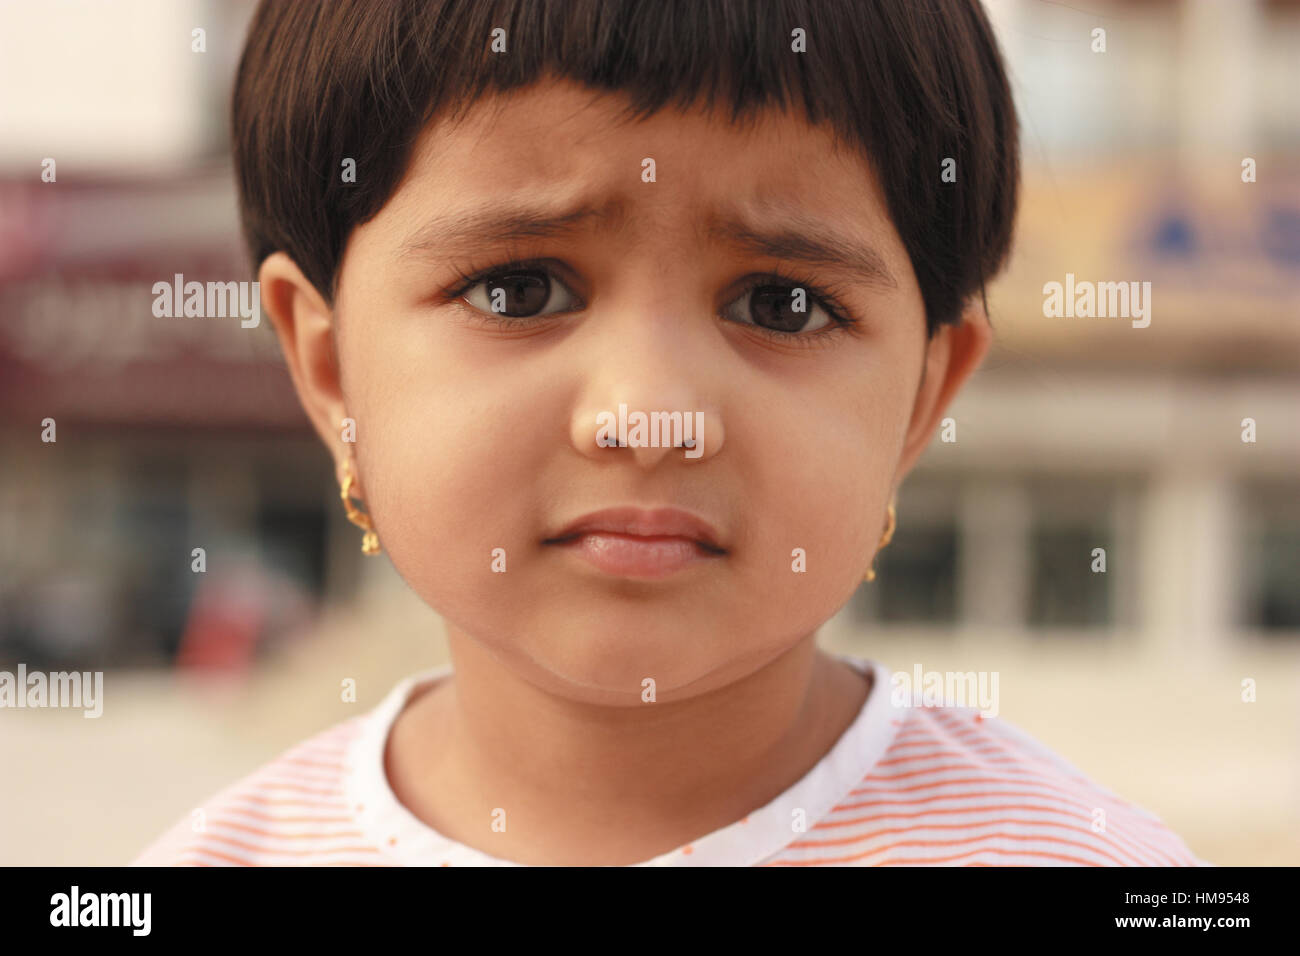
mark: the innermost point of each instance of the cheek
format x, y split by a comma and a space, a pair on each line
447, 485
823, 484
442, 459
830, 484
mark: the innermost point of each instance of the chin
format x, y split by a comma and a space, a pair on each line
608, 662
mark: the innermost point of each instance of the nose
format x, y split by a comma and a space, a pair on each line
649, 397
648, 429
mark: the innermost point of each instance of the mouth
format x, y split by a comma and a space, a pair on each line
630, 542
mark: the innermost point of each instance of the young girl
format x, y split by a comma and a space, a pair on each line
623, 324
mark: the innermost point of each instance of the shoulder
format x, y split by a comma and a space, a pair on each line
981, 790
292, 811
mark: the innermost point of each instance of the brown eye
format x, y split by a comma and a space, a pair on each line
789, 309
519, 293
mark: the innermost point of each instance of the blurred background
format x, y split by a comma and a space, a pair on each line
1078, 433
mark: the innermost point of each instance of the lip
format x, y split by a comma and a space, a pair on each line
638, 522
632, 542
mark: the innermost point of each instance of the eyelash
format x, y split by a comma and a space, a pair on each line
827, 296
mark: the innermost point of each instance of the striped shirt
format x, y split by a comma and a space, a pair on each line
932, 785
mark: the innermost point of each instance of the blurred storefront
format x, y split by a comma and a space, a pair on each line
171, 434
1089, 432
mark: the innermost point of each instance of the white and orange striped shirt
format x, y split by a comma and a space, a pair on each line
902, 786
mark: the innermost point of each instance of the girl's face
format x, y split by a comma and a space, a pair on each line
663, 262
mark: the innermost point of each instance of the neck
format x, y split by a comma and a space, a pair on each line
608, 785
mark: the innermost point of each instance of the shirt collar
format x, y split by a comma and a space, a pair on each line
406, 839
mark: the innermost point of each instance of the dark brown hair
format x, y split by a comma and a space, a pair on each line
907, 83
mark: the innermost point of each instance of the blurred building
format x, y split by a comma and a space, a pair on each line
1084, 433
172, 434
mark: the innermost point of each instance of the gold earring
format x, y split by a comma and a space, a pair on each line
370, 540
884, 539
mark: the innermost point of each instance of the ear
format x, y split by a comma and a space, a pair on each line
304, 324
954, 353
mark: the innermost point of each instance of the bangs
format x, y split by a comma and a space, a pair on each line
904, 84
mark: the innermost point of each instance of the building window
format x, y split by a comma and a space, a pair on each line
1269, 571
916, 575
1070, 518
1065, 591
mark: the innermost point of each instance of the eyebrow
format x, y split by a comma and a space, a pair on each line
501, 221
792, 236
799, 238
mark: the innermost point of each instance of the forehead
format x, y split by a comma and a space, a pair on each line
568, 146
